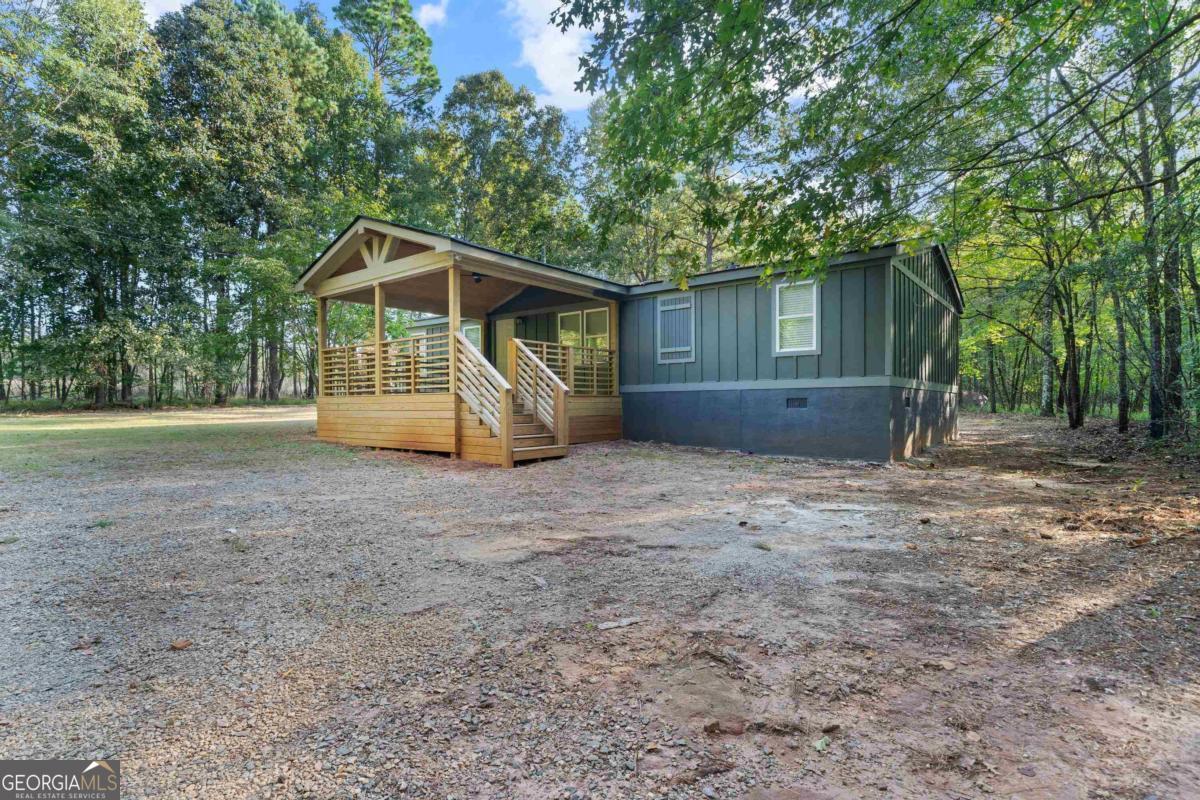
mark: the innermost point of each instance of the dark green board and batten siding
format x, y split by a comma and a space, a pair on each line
734, 338
926, 326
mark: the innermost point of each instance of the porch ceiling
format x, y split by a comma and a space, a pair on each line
429, 293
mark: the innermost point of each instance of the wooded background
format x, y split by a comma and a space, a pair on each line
164, 186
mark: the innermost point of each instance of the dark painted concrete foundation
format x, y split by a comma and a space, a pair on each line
921, 418
836, 422
869, 423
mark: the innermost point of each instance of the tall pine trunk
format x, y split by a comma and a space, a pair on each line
274, 376
1122, 364
252, 377
1046, 398
1171, 234
1152, 278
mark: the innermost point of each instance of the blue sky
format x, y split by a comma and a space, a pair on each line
469, 36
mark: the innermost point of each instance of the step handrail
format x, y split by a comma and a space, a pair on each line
587, 371
561, 383
546, 393
481, 386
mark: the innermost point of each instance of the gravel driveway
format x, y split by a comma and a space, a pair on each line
235, 610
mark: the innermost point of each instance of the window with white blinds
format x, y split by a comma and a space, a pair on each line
676, 329
473, 334
797, 313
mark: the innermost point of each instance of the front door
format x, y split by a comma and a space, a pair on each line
505, 330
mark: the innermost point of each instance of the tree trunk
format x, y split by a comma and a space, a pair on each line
1152, 277
252, 376
1172, 369
1071, 395
274, 376
1046, 405
221, 323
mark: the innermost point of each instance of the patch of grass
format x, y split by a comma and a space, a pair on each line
102, 523
763, 546
48, 405
8, 540
237, 544
87, 442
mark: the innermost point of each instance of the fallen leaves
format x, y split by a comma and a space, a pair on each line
181, 644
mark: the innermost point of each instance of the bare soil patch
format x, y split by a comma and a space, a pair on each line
235, 610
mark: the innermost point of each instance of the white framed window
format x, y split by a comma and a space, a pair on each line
595, 328
473, 331
588, 327
675, 328
797, 318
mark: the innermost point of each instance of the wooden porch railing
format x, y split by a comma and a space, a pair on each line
417, 364
587, 371
348, 370
484, 389
542, 392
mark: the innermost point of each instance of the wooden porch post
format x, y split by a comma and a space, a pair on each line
562, 418
614, 344
506, 434
455, 319
380, 316
321, 337
511, 377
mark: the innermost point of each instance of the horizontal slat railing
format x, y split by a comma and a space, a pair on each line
415, 365
543, 392
589, 371
348, 370
482, 387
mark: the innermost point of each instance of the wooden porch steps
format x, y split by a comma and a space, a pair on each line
531, 438
543, 451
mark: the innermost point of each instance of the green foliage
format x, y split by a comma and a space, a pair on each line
163, 189
502, 170
396, 47
1050, 145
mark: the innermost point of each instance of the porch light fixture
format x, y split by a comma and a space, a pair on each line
475, 276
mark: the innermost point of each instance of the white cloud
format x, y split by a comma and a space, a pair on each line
551, 54
156, 8
430, 14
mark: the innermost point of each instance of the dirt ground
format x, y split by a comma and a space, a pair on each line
235, 610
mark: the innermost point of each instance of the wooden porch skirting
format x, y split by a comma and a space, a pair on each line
593, 419
426, 422
400, 421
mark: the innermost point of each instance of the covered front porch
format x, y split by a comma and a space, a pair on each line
493, 394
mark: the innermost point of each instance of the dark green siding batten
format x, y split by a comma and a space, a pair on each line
926, 267
926, 344
735, 333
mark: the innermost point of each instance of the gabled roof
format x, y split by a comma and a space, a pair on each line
455, 244
611, 288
